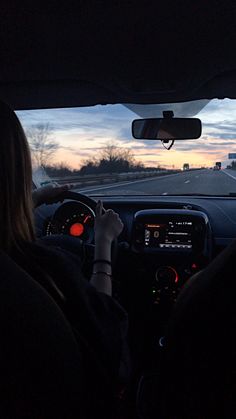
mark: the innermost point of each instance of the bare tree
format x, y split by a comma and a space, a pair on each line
42, 143
116, 159
112, 159
111, 152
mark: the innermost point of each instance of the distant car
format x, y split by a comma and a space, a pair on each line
216, 168
186, 166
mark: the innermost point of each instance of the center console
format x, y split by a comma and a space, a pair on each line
169, 246
176, 243
171, 230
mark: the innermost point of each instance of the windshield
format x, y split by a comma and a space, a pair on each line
93, 149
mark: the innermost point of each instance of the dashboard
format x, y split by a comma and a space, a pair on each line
164, 242
178, 232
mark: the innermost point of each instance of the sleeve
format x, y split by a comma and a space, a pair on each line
97, 318
122, 324
108, 328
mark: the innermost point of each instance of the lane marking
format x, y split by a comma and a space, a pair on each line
165, 193
128, 183
233, 177
118, 184
187, 181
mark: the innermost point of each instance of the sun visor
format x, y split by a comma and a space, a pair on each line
181, 110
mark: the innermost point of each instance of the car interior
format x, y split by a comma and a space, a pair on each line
107, 66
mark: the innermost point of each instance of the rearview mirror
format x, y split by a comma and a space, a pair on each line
166, 128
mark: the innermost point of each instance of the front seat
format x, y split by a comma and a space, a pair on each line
40, 363
197, 377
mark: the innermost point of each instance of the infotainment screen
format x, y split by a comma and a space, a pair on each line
175, 234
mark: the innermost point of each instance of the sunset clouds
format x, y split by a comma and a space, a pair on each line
83, 132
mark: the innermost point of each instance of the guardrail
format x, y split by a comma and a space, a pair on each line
88, 180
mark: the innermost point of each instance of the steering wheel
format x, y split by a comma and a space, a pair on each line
75, 244
76, 196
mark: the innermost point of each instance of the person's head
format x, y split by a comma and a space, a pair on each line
16, 218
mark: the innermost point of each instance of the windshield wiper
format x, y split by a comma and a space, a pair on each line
233, 194
189, 194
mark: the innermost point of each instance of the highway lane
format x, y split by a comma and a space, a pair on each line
204, 181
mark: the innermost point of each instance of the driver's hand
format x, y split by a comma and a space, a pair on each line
49, 194
108, 224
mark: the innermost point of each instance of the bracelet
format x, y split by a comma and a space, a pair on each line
102, 261
103, 273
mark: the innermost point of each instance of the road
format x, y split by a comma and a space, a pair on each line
204, 181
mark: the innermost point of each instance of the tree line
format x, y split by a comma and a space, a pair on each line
111, 159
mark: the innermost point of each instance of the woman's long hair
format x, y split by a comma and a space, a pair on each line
16, 216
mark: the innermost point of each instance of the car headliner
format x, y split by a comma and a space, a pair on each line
60, 54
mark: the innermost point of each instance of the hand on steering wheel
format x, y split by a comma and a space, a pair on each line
108, 224
49, 194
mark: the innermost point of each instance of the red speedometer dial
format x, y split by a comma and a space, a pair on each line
76, 229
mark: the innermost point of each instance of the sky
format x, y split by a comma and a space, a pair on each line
82, 133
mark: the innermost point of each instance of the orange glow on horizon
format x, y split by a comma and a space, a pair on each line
173, 159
